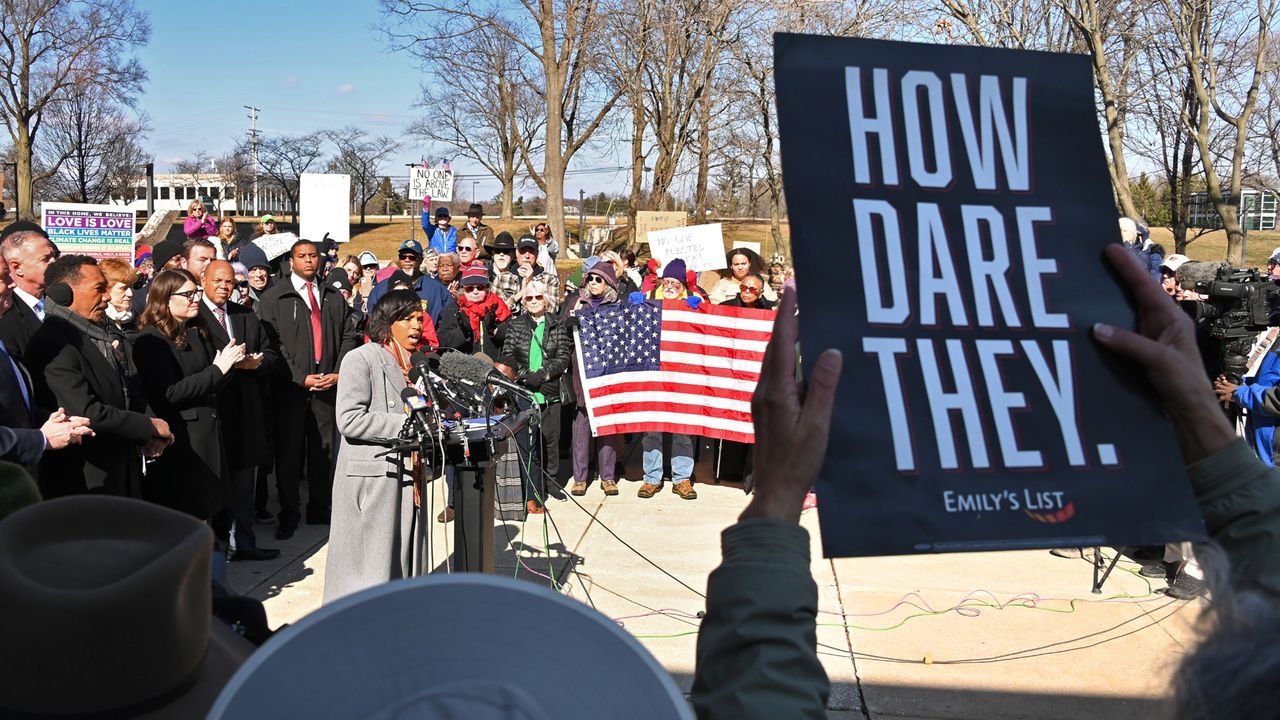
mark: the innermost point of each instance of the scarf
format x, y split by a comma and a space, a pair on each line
119, 317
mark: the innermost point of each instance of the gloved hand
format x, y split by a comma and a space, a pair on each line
491, 317
694, 301
574, 321
636, 298
533, 380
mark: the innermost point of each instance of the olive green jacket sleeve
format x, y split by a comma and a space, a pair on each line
1240, 498
757, 649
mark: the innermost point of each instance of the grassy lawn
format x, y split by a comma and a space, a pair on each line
1213, 246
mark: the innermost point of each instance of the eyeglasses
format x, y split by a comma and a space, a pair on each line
190, 295
531, 298
749, 289
595, 278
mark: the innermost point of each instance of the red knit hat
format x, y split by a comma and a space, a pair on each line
475, 274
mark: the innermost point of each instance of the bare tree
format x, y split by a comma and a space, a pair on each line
1226, 51
49, 47
283, 159
494, 117
361, 157
562, 38
686, 51
628, 56
235, 170
199, 171
93, 142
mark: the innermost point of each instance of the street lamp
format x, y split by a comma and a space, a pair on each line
473, 190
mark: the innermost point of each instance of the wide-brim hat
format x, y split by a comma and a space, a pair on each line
502, 242
109, 611
450, 646
475, 209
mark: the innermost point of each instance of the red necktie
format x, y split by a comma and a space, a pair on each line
316, 342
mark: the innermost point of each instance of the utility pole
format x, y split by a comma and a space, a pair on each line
253, 144
473, 190
582, 224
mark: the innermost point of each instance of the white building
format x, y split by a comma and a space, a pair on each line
1257, 211
175, 191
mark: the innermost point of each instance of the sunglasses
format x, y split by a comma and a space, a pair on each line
462, 248
529, 298
476, 288
242, 283
748, 289
190, 295
595, 278
406, 256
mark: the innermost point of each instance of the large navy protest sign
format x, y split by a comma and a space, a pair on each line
949, 207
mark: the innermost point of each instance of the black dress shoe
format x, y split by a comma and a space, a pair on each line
284, 532
254, 554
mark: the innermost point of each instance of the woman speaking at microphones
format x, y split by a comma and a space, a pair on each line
377, 533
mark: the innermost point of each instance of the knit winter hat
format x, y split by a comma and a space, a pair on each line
606, 271
475, 274
675, 270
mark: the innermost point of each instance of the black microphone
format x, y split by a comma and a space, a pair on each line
422, 363
416, 406
477, 373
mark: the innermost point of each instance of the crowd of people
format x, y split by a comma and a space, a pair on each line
204, 371
142, 642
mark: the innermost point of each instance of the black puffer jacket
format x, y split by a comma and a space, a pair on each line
557, 349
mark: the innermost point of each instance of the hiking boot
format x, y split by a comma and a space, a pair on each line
647, 490
609, 487
579, 489
684, 489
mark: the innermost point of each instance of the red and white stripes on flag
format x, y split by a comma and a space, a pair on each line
708, 365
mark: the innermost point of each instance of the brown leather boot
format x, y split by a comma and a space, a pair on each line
684, 489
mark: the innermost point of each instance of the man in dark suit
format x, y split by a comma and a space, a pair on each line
88, 371
27, 252
308, 322
20, 441
239, 406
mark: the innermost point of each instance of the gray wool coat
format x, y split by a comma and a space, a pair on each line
376, 532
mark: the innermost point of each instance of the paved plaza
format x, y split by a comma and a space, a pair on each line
1029, 640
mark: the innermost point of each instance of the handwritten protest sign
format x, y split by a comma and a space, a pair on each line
277, 244
102, 231
433, 182
325, 201
157, 227
649, 220
949, 207
700, 246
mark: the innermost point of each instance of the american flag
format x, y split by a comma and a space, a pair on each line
670, 368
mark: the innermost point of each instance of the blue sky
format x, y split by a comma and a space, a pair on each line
306, 66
